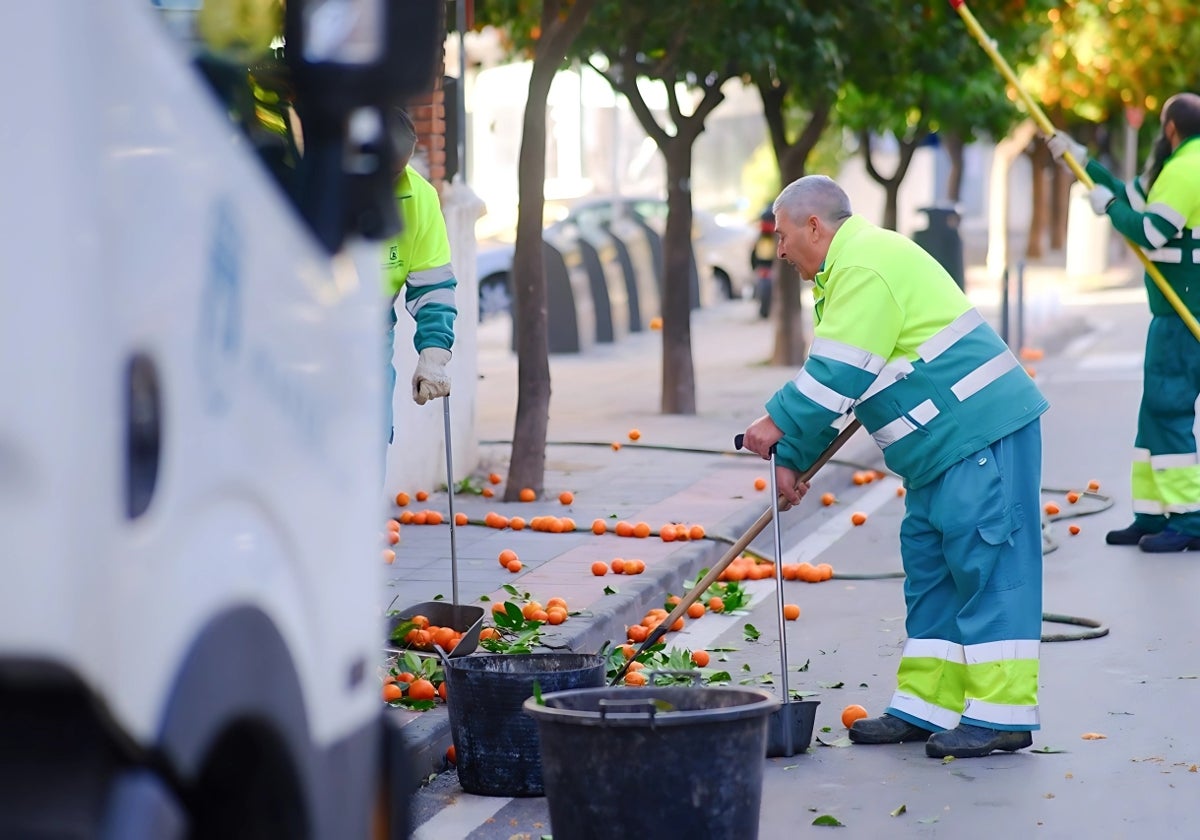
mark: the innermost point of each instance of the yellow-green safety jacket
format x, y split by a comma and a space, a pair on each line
418, 261
898, 343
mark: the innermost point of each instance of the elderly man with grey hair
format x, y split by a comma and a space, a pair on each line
896, 342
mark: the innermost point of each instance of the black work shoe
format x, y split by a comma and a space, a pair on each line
1168, 541
1127, 536
886, 729
967, 741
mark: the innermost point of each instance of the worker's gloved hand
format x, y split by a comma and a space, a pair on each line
1062, 143
1100, 198
430, 379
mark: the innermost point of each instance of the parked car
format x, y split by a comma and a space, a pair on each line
720, 248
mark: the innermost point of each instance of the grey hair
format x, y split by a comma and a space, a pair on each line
814, 195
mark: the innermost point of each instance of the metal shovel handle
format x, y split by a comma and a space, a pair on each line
734, 551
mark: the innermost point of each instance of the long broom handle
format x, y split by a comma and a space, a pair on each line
1047, 127
734, 551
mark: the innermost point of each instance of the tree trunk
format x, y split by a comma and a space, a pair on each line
1039, 202
527, 465
891, 185
678, 372
1061, 194
953, 144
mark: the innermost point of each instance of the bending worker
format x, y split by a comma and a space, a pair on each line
1160, 212
418, 261
957, 417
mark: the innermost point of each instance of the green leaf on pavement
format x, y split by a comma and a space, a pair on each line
1048, 750
608, 590
751, 632
828, 819
901, 810
832, 685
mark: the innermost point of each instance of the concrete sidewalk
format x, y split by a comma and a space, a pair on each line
681, 469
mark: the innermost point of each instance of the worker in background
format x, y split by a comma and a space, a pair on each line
1160, 213
957, 417
417, 262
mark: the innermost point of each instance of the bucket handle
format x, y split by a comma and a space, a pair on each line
647, 707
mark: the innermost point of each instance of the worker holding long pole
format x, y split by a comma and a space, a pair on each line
1158, 211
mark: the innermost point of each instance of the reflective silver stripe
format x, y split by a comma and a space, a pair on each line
984, 375
444, 296
938, 716
1149, 506
1173, 462
1000, 714
902, 426
826, 348
933, 649
1173, 216
892, 372
945, 338
822, 394
431, 276
1153, 235
1001, 651
1134, 197
1165, 255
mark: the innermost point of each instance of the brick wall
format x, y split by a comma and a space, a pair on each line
429, 118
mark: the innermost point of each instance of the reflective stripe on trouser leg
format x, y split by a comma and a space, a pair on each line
971, 544
1166, 470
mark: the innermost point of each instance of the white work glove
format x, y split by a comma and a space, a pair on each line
430, 378
1062, 143
1100, 197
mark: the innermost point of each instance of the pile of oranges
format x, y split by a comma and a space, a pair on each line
410, 686
619, 566
423, 635
807, 572
746, 567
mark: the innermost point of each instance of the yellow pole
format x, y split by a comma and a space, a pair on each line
1047, 127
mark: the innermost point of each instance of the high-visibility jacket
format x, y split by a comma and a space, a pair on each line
418, 261
1165, 222
897, 342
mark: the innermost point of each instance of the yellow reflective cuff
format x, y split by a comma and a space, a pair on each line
934, 680
1003, 682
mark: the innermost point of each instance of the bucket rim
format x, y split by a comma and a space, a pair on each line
475, 661
762, 705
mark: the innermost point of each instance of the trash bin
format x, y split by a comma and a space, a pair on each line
943, 241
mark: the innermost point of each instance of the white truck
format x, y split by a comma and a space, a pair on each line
191, 439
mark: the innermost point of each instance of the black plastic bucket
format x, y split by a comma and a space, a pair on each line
495, 743
702, 750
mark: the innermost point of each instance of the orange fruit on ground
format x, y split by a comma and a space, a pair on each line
695, 610
656, 323
568, 524
667, 533
402, 499
433, 517
488, 633
556, 615
635, 567
827, 499
1052, 508
556, 602
859, 477
716, 604
641, 530
393, 525
616, 446
486, 492
791, 612
899, 491
460, 519
852, 713
529, 609
1072, 497
516, 523
566, 497
389, 556
678, 624
421, 689
760, 484
807, 572
825, 570
618, 565
494, 478
599, 568
406, 517
422, 495
451, 754
392, 691
421, 517
506, 556
1093, 485
500, 606
1074, 529
634, 434
624, 529
701, 658
636, 633
696, 532
858, 517
527, 494
514, 566
539, 615
598, 527
635, 678
556, 525
636, 666
628, 651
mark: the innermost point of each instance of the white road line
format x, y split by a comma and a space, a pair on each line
461, 818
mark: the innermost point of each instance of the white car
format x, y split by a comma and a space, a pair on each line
722, 250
